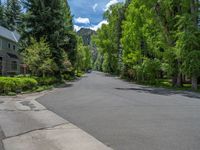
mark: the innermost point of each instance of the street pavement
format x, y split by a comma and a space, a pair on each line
126, 116
27, 125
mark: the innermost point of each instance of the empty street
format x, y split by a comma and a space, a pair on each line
126, 116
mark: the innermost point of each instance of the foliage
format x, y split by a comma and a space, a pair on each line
108, 40
38, 57
83, 62
46, 81
18, 84
151, 69
159, 39
1, 15
191, 65
188, 43
11, 84
43, 88
54, 23
98, 62
12, 15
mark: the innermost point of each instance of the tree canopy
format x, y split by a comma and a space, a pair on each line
155, 39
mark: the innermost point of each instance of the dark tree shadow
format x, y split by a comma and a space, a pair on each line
161, 91
64, 85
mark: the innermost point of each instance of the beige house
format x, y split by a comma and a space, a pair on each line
9, 57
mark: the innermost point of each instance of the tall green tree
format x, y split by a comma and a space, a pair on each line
108, 39
38, 58
1, 14
188, 40
141, 40
70, 47
12, 14
160, 39
84, 57
46, 18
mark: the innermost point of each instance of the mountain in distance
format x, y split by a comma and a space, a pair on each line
86, 35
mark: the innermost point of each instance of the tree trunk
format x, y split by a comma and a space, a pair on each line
194, 83
179, 80
174, 80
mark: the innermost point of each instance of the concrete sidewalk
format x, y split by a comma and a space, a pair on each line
27, 125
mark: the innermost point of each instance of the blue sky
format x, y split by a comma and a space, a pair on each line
89, 13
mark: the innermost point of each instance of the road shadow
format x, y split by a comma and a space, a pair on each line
110, 75
161, 91
64, 85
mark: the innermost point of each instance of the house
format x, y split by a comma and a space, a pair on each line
9, 57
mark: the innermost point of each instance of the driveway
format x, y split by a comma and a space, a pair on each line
127, 116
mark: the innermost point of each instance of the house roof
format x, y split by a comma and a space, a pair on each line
5, 33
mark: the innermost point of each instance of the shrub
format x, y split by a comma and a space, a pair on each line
68, 77
38, 57
46, 80
151, 68
14, 84
78, 73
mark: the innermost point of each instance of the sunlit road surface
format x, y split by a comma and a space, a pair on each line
127, 116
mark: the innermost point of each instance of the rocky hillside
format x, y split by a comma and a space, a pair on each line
86, 35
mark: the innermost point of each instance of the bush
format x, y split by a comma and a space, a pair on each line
68, 77
42, 88
14, 84
147, 71
79, 73
46, 80
151, 69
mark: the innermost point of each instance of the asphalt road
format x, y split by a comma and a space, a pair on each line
126, 116
1, 138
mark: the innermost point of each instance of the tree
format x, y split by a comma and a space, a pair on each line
108, 39
188, 42
46, 19
38, 58
1, 14
12, 14
141, 39
70, 45
83, 62
67, 16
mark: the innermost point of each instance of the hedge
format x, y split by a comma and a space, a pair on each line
14, 84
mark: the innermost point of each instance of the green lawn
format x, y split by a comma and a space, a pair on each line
166, 83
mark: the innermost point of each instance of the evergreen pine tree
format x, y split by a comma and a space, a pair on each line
1, 14
12, 14
45, 18
70, 46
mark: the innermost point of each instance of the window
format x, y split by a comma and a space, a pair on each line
0, 44
14, 47
9, 45
14, 65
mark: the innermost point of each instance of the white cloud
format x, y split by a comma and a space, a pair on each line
82, 20
112, 2
94, 7
96, 27
76, 28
